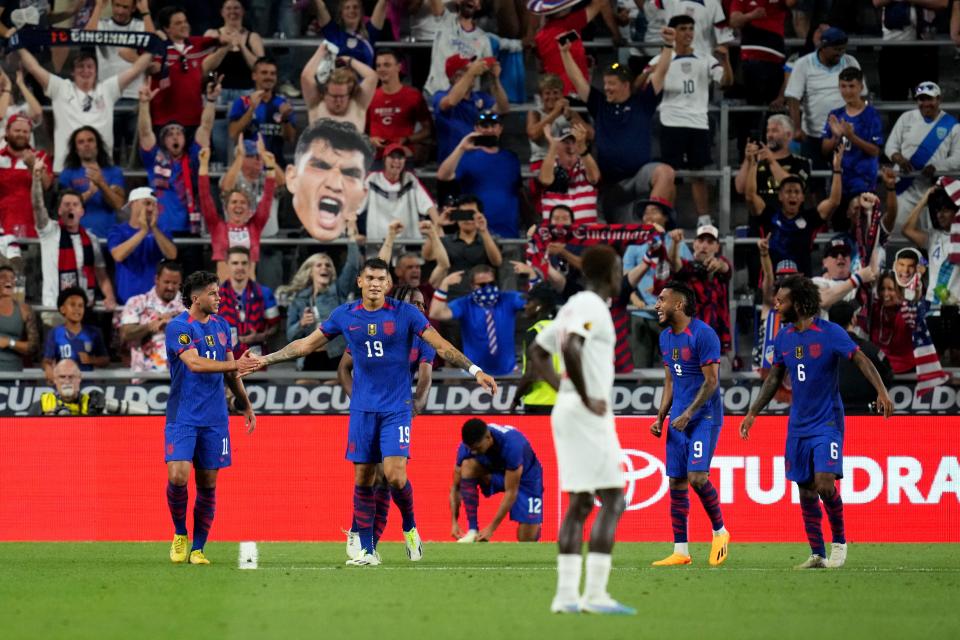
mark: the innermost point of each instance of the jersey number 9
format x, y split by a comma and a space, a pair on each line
678, 369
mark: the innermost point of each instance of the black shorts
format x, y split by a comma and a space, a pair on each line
685, 148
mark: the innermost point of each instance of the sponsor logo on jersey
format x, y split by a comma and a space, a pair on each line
388, 327
372, 329
183, 339
209, 340
799, 352
815, 350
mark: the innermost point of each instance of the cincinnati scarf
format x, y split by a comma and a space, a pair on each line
618, 236
67, 262
35, 39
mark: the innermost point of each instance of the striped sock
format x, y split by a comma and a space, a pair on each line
834, 507
812, 516
622, 355
711, 504
381, 497
203, 510
403, 498
364, 509
679, 510
177, 498
470, 496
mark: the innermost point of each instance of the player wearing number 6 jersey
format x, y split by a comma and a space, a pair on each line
691, 397
810, 351
380, 332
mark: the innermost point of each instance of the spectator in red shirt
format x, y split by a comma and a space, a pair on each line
396, 110
17, 158
240, 229
569, 175
889, 329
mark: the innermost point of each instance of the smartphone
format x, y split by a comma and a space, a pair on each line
486, 141
461, 215
568, 36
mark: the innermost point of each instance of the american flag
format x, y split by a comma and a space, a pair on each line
952, 187
929, 372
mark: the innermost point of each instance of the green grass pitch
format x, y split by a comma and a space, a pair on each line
491, 591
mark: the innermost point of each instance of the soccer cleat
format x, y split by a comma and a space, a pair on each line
674, 559
606, 606
365, 559
838, 555
353, 544
815, 561
414, 547
469, 536
197, 557
718, 548
559, 606
178, 549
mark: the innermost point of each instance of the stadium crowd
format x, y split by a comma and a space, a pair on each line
124, 170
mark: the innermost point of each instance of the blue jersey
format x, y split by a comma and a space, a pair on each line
509, 450
63, 345
812, 360
686, 354
859, 169
381, 342
196, 398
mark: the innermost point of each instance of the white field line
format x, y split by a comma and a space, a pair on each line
625, 569
248, 556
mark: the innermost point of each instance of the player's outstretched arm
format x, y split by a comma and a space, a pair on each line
511, 488
767, 391
198, 364
296, 349
665, 401
541, 364
710, 384
884, 403
572, 360
453, 356
240, 393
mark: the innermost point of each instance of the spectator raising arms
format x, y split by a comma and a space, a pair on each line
352, 34
457, 34
263, 112
568, 175
471, 245
398, 113
17, 161
27, 105
338, 97
89, 170
456, 109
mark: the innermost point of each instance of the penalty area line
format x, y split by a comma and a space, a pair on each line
624, 569
248, 556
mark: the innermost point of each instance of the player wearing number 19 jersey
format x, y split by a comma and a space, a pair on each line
810, 351
691, 397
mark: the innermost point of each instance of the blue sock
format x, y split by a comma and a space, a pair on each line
364, 510
403, 498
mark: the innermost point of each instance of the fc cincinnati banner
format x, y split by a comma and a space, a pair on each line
638, 398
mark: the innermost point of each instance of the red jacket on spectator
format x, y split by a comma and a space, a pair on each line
549, 50
181, 96
16, 214
223, 234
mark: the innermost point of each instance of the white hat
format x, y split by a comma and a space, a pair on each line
708, 230
140, 193
931, 89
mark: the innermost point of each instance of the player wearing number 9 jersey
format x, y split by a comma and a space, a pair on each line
810, 352
691, 397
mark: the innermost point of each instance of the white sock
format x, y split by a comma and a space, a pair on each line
681, 548
598, 572
720, 531
569, 568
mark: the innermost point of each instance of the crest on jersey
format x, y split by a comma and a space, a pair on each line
222, 338
388, 327
372, 329
799, 353
587, 326
184, 339
676, 353
208, 340
815, 350
686, 67
685, 353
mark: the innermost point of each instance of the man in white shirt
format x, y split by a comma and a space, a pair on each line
683, 81
457, 33
82, 101
396, 194
146, 315
927, 140
711, 24
837, 283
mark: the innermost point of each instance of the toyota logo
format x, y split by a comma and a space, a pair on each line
638, 465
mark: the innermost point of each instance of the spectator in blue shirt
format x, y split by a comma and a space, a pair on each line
350, 31
137, 246
264, 112
493, 174
456, 109
88, 170
487, 319
73, 340
858, 126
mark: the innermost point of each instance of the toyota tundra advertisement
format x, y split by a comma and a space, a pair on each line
104, 479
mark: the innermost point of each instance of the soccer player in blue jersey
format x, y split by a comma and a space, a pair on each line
810, 351
691, 397
380, 332
200, 360
496, 459
422, 356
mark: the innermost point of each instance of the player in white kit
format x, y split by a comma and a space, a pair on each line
584, 434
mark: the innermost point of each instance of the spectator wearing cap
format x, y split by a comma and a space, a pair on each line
16, 98
457, 109
482, 167
398, 114
623, 118
89, 170
471, 245
855, 390
138, 245
340, 97
457, 34
708, 274
263, 113
82, 100
145, 316
538, 396
814, 86
793, 225
73, 340
568, 174
17, 159
837, 283
925, 139
394, 193
902, 68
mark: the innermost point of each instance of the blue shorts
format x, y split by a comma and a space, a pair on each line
814, 454
528, 509
206, 447
691, 450
374, 436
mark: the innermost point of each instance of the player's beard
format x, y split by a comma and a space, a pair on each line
666, 322
789, 315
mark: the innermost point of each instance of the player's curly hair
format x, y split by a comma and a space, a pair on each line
689, 297
804, 295
196, 281
473, 431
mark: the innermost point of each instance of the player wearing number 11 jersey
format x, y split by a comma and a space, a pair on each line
810, 351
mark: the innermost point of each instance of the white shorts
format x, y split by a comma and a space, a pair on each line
588, 451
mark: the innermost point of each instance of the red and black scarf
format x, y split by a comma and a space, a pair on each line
618, 236
67, 261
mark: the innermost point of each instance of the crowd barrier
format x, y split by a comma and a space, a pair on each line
104, 479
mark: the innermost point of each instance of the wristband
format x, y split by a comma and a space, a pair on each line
474, 370
837, 172
440, 295
856, 281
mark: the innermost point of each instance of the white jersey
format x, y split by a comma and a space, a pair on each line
710, 23
73, 109
452, 39
817, 87
406, 200
109, 62
824, 283
686, 90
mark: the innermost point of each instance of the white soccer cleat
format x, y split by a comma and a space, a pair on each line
414, 546
563, 606
606, 606
813, 562
838, 555
365, 559
353, 544
469, 536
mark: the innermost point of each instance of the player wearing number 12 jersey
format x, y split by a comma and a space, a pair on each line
810, 351
380, 332
691, 397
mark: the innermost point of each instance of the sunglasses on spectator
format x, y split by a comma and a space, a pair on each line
488, 119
